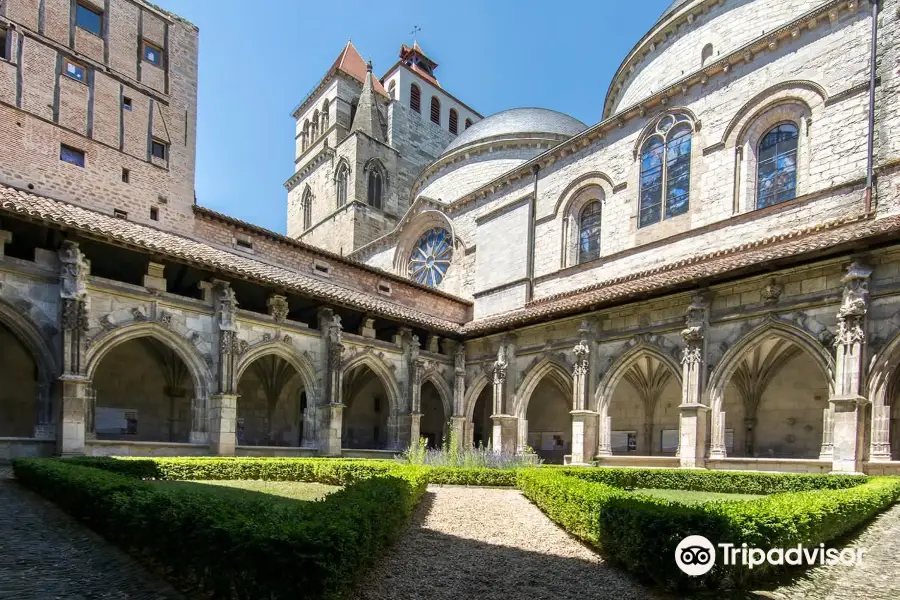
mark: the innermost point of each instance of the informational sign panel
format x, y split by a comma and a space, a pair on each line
669, 443
624, 441
115, 421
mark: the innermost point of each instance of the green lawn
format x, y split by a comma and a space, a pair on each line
294, 490
691, 497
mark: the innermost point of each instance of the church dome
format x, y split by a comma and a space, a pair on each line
517, 122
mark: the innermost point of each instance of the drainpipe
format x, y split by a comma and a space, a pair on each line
532, 209
872, 76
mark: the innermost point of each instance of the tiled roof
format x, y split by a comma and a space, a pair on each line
193, 251
686, 272
351, 62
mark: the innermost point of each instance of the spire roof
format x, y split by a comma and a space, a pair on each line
368, 118
416, 59
351, 62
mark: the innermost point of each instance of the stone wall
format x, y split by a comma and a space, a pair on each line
40, 109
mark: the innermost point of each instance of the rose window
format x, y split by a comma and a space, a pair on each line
430, 258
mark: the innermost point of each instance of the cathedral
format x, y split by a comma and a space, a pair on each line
708, 277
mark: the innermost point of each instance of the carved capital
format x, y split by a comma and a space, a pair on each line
278, 307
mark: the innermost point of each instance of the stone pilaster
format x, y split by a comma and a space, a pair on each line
458, 420
225, 305
717, 442
848, 403
505, 431
604, 446
331, 425
880, 444
584, 421
74, 409
694, 414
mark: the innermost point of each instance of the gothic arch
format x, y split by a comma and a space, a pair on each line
381, 370
342, 162
197, 367
472, 393
301, 364
617, 371
726, 368
548, 367
883, 367
444, 391
24, 326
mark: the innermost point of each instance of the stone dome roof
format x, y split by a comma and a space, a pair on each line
517, 122
672, 8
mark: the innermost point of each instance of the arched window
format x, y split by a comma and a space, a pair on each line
454, 121
315, 125
392, 90
353, 106
306, 134
666, 170
307, 208
589, 232
706, 54
325, 116
435, 110
430, 259
376, 183
415, 98
343, 178
777, 166
468, 123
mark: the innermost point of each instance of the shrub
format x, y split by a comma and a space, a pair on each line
640, 533
729, 482
453, 453
254, 547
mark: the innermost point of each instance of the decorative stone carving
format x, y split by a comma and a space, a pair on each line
459, 360
226, 304
278, 307
772, 292
165, 318
106, 323
73, 272
500, 366
582, 352
853, 305
138, 314
74, 315
267, 337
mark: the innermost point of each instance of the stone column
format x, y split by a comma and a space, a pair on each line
505, 432
717, 448
331, 425
411, 422
584, 421
880, 444
75, 393
848, 403
223, 421
694, 414
458, 420
199, 419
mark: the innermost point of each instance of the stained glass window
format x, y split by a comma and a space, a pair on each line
589, 232
777, 164
666, 171
431, 257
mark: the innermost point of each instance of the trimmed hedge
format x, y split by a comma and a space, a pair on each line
338, 471
728, 482
258, 546
640, 533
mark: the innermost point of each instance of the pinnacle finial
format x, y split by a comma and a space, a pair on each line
369, 66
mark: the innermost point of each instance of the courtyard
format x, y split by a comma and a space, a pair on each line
448, 539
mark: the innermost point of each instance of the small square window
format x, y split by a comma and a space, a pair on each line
71, 155
126, 175
126, 103
154, 213
243, 242
74, 70
89, 19
120, 214
151, 53
159, 149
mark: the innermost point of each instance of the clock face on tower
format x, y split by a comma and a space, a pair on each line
431, 257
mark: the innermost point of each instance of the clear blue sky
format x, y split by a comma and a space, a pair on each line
258, 60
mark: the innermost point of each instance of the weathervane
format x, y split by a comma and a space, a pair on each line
416, 29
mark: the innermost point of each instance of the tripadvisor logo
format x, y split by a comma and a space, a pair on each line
695, 555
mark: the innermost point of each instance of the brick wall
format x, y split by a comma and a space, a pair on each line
41, 108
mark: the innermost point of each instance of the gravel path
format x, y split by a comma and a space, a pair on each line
47, 555
877, 578
490, 544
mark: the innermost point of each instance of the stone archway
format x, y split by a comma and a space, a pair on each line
638, 402
173, 380
544, 411
769, 396
434, 420
480, 418
367, 419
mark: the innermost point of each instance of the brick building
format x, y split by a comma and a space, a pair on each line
708, 277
